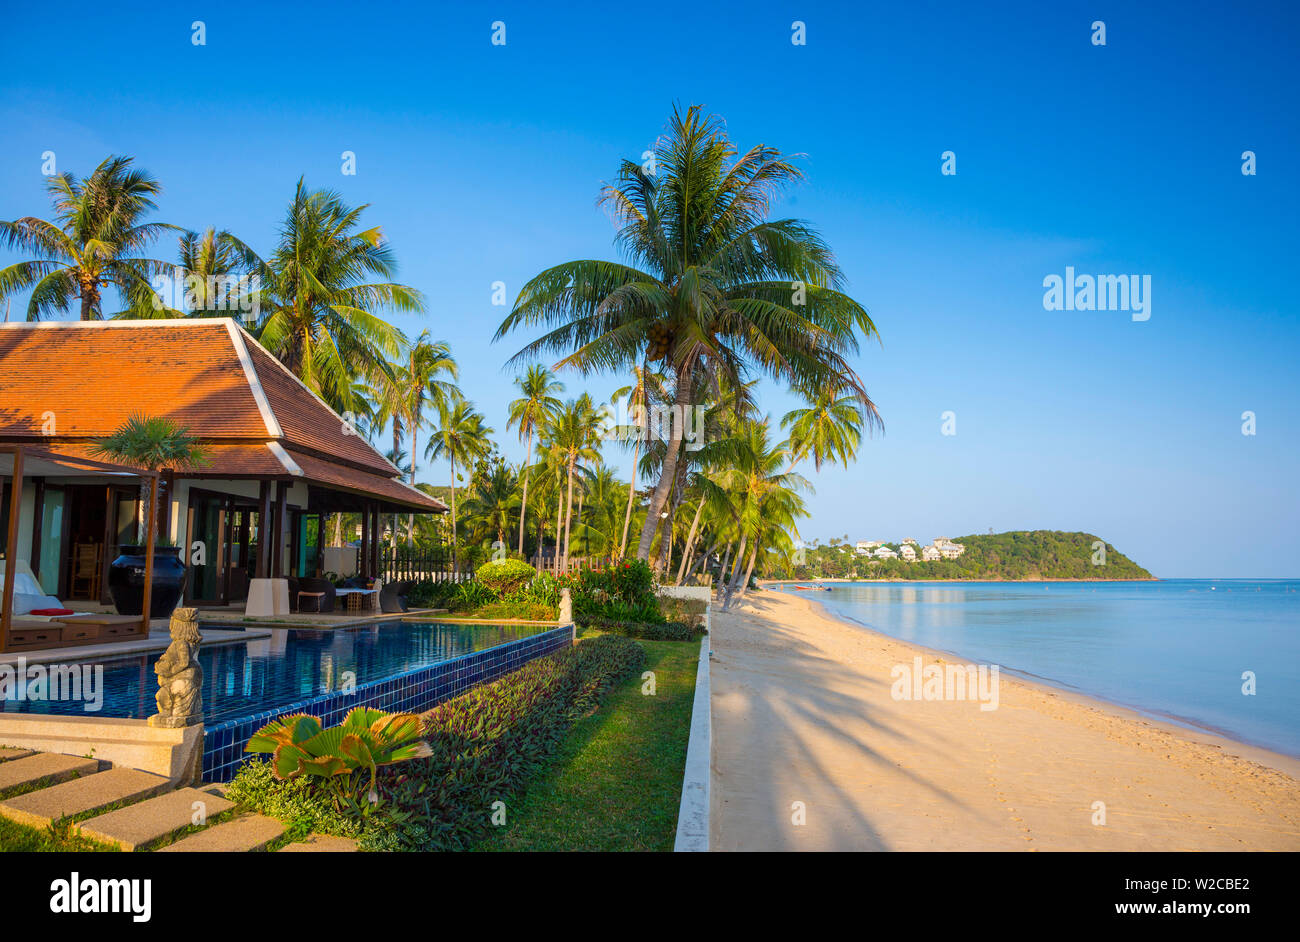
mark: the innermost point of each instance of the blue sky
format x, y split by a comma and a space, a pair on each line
483, 163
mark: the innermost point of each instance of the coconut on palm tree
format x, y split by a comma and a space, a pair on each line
533, 409
711, 285
95, 241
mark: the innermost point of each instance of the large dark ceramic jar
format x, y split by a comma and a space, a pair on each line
126, 580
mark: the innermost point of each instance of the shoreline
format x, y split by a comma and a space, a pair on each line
804, 717
1168, 722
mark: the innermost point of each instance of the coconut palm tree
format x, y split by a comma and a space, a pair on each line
830, 428
215, 269
493, 501
711, 285
94, 241
529, 412
424, 376
320, 304
575, 431
459, 436
646, 390
766, 492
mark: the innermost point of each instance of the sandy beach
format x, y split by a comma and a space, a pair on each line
803, 713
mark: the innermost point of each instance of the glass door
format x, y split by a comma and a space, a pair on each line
206, 548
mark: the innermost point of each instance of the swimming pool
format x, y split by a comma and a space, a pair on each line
398, 665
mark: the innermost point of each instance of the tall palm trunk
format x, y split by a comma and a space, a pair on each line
631, 494
735, 571
410, 518
559, 524
568, 517
690, 543
749, 571
700, 560
523, 507
722, 572
668, 474
455, 557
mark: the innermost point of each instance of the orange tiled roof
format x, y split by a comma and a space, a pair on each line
83, 379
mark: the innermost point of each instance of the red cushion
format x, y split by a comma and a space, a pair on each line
52, 611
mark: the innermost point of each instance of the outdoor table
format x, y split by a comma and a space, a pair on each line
355, 598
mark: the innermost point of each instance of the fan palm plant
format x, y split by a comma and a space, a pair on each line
529, 412
319, 308
94, 242
711, 283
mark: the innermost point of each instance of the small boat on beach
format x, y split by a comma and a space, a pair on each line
813, 588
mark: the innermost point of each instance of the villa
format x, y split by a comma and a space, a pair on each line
908, 552
884, 552
929, 554
279, 460
947, 548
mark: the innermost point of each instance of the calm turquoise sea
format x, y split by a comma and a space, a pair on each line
1175, 648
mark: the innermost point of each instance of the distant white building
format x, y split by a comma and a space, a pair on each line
884, 552
911, 541
929, 554
948, 549
908, 551
864, 547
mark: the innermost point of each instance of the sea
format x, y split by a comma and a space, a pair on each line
1216, 654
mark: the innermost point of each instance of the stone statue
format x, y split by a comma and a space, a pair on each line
566, 608
180, 678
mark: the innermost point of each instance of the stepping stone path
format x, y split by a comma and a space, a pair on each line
44, 806
136, 826
43, 767
244, 833
74, 787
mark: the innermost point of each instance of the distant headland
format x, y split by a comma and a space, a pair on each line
1015, 556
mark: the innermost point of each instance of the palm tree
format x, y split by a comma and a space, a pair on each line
493, 500
153, 442
830, 428
93, 242
319, 307
459, 436
711, 285
212, 266
575, 430
403, 390
765, 492
532, 410
646, 388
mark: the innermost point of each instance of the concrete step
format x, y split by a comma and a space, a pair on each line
9, 752
135, 826
244, 833
39, 808
321, 843
43, 766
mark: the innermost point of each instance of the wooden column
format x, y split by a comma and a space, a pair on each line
281, 528
151, 537
375, 542
263, 531
363, 558
11, 544
320, 545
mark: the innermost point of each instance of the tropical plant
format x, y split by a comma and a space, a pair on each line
712, 286
830, 427
94, 241
319, 306
505, 576
530, 412
459, 436
365, 740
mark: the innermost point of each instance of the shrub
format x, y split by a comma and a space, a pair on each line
471, 595
648, 631
430, 594
299, 802
625, 590
505, 576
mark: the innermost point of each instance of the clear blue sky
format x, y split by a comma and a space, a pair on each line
483, 163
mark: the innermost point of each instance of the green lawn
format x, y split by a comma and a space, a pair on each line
615, 782
16, 837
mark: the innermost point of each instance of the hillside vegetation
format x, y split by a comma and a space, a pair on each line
1019, 555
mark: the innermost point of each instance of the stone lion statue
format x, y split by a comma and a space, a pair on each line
180, 678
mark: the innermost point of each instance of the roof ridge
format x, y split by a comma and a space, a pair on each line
288, 372
254, 380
